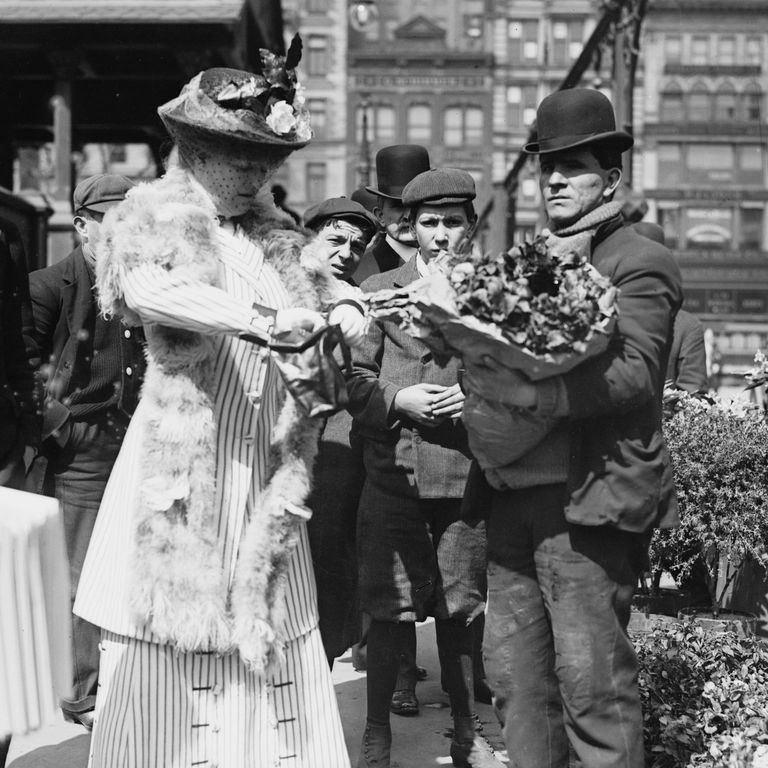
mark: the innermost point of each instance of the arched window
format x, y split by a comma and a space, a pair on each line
699, 104
419, 123
380, 124
463, 126
671, 108
752, 100
726, 104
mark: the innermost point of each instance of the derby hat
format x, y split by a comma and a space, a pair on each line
340, 208
576, 117
440, 186
396, 166
100, 192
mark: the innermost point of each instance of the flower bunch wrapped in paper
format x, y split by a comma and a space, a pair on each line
538, 308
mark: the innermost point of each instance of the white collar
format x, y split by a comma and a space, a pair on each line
405, 252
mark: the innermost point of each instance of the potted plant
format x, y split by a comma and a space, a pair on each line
705, 703
719, 452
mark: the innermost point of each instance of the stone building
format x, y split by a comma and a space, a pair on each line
704, 136
422, 74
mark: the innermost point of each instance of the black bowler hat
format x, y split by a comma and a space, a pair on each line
440, 186
576, 117
340, 208
396, 166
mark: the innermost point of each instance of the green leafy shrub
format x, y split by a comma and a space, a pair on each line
704, 696
719, 452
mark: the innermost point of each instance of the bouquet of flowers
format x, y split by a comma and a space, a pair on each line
537, 308
530, 308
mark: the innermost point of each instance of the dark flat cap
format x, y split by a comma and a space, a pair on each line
340, 208
440, 186
100, 192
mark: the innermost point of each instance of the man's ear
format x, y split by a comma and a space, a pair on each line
81, 226
612, 181
378, 212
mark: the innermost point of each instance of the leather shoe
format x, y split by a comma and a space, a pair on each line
374, 751
469, 749
404, 703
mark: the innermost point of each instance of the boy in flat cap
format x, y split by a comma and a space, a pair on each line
568, 531
92, 371
344, 229
417, 557
395, 167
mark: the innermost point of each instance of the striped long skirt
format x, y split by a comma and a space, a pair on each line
157, 708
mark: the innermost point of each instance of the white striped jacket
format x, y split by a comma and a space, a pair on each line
245, 410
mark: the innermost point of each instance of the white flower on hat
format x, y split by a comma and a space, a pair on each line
281, 118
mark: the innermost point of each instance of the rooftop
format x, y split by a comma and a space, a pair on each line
116, 11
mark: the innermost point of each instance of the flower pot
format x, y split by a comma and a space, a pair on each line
743, 624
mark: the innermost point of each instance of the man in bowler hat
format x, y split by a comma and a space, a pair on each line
395, 167
92, 369
568, 533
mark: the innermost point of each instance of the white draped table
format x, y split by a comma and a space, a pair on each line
35, 659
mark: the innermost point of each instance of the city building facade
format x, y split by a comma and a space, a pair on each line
420, 73
704, 136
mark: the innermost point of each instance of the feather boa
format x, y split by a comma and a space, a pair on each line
179, 590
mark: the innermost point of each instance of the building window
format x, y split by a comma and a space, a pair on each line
751, 230
673, 48
708, 228
671, 108
521, 105
699, 104
316, 182
117, 153
751, 164
700, 50
726, 104
523, 41
753, 50
463, 126
567, 39
710, 163
318, 114
419, 123
726, 50
753, 103
381, 124
318, 55
670, 165
669, 221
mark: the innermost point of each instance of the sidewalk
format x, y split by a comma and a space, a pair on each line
418, 742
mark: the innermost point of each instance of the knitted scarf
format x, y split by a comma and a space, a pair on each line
179, 590
578, 236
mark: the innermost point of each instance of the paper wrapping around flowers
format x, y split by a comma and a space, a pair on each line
427, 310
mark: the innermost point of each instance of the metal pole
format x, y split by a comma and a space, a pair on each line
364, 166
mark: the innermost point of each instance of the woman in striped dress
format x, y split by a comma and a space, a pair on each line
199, 570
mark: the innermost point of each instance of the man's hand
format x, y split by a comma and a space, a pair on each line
297, 318
351, 321
496, 382
416, 402
448, 404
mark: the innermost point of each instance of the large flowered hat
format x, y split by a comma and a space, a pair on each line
261, 116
